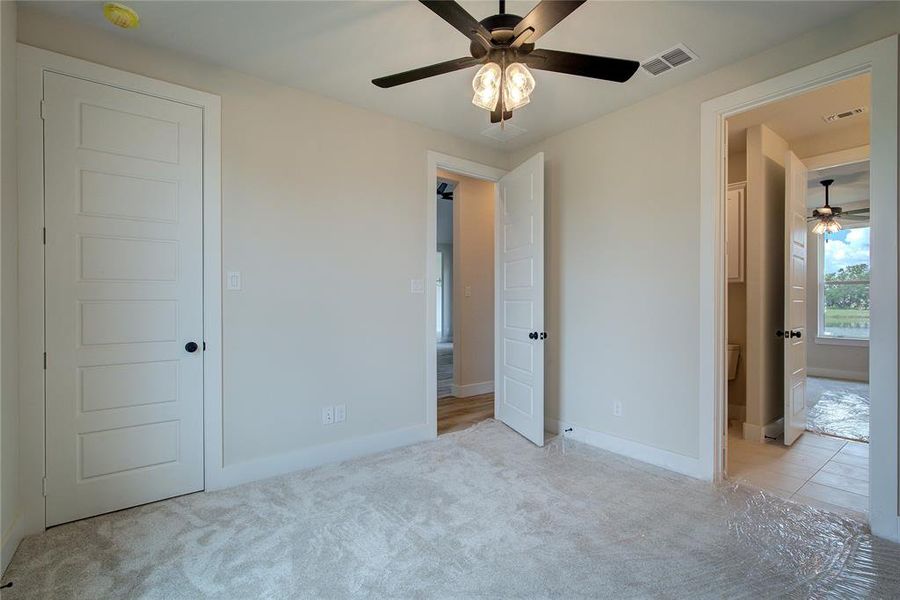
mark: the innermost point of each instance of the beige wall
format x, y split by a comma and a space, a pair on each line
10, 507
765, 275
473, 267
623, 207
326, 273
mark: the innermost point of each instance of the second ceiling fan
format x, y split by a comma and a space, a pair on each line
504, 45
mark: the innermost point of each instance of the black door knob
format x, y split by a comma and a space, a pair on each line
796, 334
191, 346
533, 335
780, 333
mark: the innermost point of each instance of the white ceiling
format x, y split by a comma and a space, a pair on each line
336, 48
851, 184
800, 116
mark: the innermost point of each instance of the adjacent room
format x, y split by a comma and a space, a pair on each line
438, 299
465, 301
799, 312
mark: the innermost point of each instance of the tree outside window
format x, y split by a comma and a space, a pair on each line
845, 306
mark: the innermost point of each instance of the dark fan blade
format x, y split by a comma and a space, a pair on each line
425, 72
619, 70
543, 18
441, 188
854, 217
457, 16
858, 211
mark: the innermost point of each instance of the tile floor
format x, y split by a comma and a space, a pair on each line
821, 471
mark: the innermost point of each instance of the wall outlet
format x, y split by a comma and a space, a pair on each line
327, 415
617, 409
468, 291
340, 413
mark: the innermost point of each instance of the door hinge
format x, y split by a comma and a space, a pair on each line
45, 361
43, 110
44, 235
44, 486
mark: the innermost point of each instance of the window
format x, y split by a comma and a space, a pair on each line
844, 284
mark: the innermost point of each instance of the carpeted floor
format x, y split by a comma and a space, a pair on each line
480, 513
839, 408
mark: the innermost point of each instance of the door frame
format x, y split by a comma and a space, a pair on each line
32, 64
461, 166
880, 60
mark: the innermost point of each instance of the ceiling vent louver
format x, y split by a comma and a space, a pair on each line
502, 134
668, 60
844, 114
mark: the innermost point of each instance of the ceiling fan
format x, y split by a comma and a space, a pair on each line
444, 192
504, 45
826, 216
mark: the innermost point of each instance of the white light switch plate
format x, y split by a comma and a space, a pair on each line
417, 286
468, 291
233, 280
340, 413
327, 415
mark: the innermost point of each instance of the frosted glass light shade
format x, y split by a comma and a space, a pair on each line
517, 86
487, 86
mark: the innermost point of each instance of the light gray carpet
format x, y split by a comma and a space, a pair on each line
837, 407
444, 369
480, 513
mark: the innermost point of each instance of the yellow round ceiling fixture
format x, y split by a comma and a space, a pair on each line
121, 15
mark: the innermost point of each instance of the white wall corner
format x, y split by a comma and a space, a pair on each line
10, 542
679, 463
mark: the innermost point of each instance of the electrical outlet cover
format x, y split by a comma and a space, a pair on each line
340, 413
327, 415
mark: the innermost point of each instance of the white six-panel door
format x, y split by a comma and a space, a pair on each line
519, 378
795, 298
123, 259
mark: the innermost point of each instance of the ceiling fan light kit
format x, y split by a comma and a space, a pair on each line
504, 45
826, 217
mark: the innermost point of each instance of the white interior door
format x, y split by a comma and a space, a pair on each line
519, 378
123, 260
795, 331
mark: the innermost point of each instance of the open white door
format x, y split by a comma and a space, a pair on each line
519, 370
795, 332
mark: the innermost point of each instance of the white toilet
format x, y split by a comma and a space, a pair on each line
734, 355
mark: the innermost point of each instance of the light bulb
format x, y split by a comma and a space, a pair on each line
517, 86
833, 226
487, 86
819, 228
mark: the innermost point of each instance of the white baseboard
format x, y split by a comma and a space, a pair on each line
11, 538
679, 463
838, 374
471, 389
755, 433
307, 458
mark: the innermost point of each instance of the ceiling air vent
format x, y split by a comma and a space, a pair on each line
668, 60
844, 115
502, 134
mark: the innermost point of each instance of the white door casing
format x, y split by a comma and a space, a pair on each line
124, 294
519, 378
795, 330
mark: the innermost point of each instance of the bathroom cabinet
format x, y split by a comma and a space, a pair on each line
734, 231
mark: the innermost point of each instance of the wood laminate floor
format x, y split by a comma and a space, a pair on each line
455, 414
